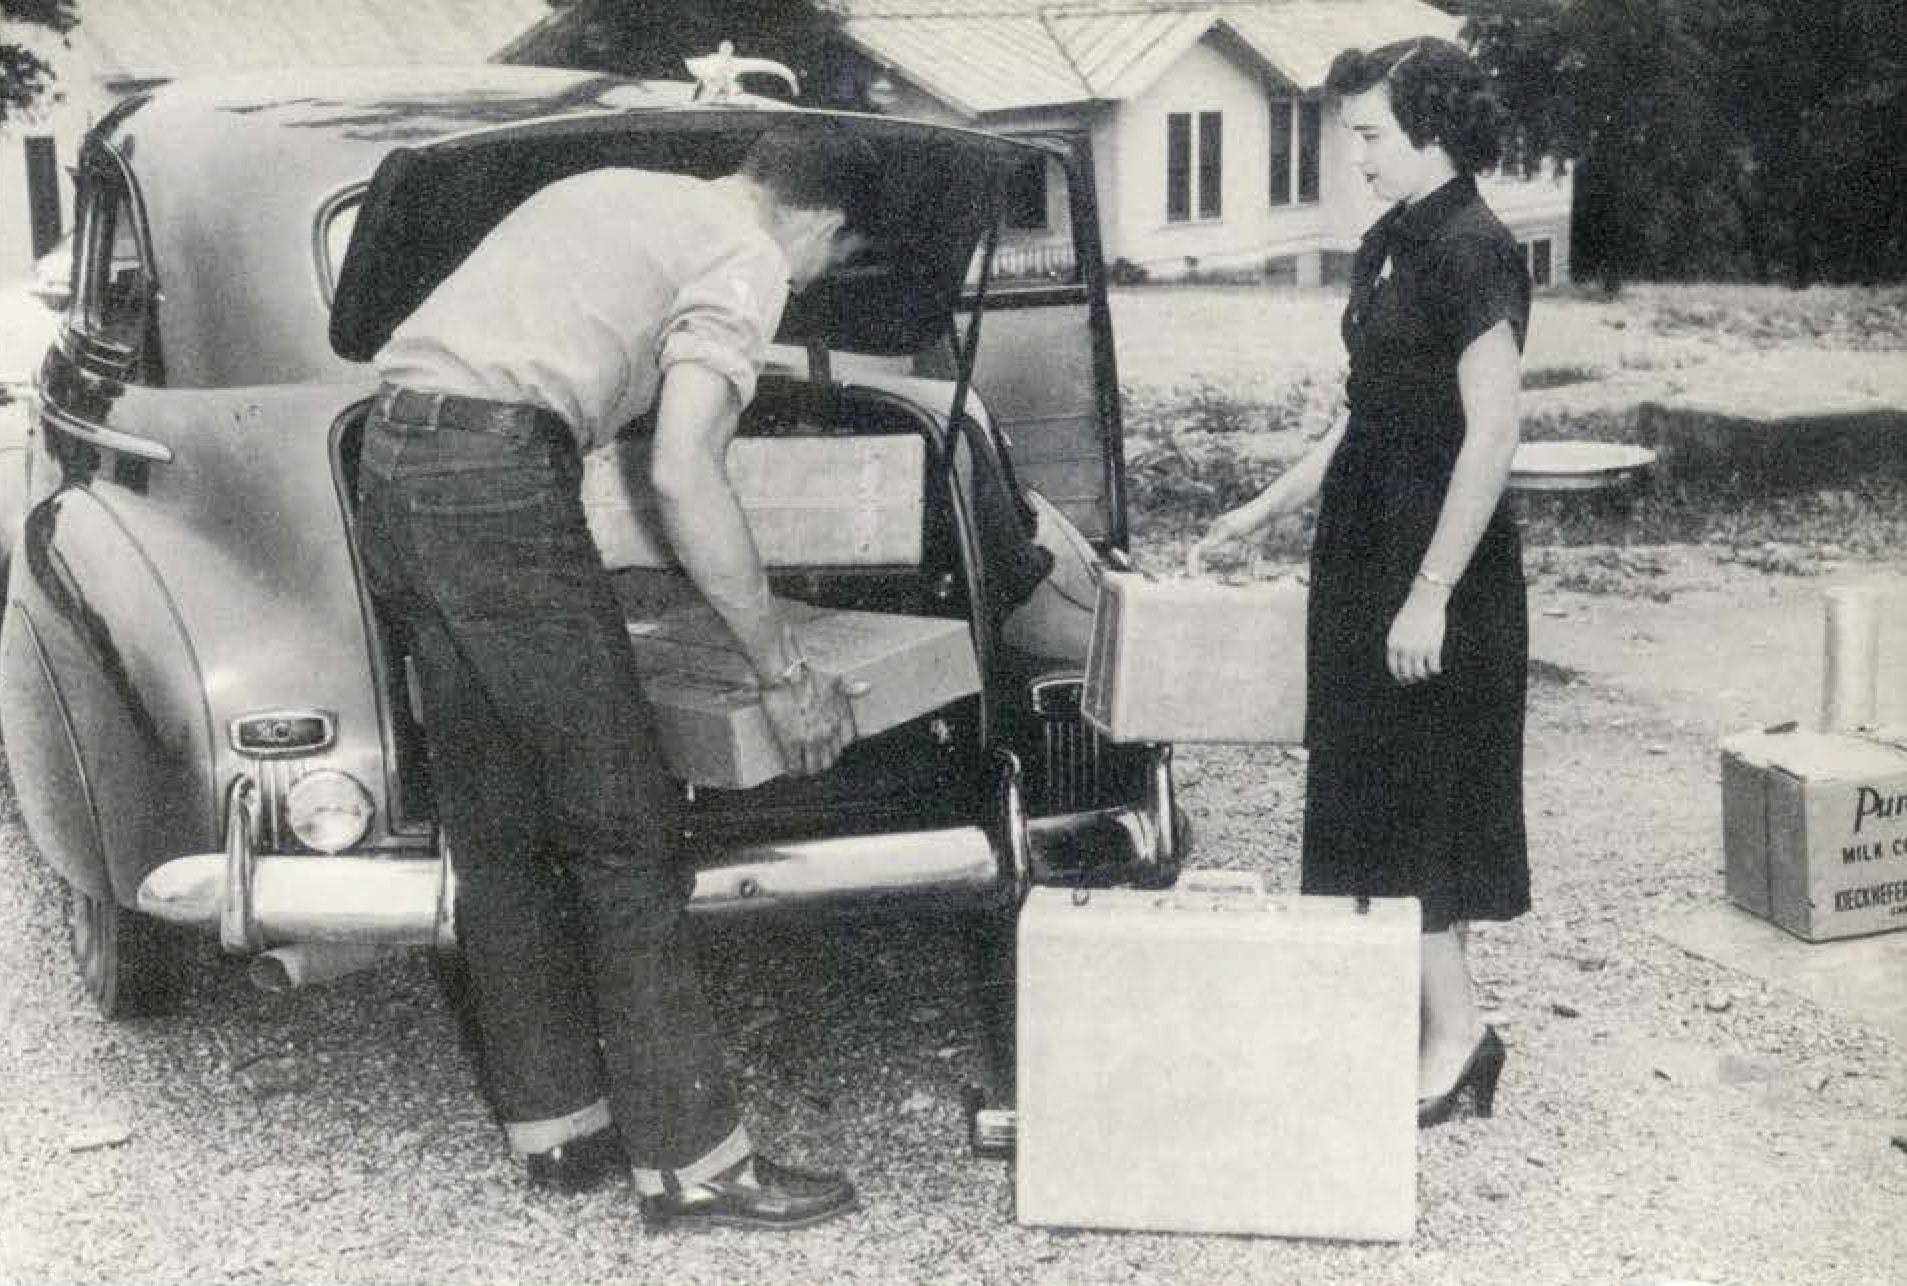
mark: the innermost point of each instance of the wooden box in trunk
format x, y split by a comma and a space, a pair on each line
708, 711
819, 501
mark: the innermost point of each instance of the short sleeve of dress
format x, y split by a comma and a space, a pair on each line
1478, 282
724, 318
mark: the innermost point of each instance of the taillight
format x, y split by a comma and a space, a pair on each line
328, 811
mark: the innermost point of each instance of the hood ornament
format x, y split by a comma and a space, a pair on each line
718, 75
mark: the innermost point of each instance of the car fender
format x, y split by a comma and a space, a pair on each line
211, 579
101, 701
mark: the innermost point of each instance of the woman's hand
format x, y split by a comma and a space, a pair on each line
1238, 524
1414, 648
1290, 492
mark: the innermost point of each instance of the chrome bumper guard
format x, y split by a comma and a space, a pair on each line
258, 902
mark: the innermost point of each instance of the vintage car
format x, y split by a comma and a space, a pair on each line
206, 720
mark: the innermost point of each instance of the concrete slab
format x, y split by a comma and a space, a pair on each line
1864, 979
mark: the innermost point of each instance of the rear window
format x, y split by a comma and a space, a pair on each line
111, 314
334, 238
1036, 247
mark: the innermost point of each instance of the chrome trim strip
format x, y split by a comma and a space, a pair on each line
106, 439
330, 209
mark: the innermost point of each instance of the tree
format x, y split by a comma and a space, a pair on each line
1622, 89
1816, 92
1715, 137
24, 75
650, 38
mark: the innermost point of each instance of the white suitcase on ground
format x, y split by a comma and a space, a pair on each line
1212, 1059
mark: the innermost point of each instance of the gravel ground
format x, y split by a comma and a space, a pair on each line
1662, 1118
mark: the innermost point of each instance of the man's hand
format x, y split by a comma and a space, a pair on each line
810, 717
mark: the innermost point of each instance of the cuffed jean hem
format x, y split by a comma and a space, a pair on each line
726, 1155
527, 1137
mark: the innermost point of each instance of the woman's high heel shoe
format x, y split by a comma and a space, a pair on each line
1479, 1076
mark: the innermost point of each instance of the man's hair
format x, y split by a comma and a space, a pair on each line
1438, 93
813, 167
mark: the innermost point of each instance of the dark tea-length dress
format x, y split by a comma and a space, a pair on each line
1417, 790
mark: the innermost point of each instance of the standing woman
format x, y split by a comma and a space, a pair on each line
1417, 636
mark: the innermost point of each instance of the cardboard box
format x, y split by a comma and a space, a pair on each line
708, 711
810, 501
1814, 830
1194, 660
1218, 1062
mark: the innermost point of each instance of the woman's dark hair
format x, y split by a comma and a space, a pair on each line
1437, 92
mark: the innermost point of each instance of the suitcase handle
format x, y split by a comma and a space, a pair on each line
1223, 883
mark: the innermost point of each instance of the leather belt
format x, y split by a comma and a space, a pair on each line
432, 411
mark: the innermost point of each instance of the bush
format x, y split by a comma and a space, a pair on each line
1538, 377
1194, 452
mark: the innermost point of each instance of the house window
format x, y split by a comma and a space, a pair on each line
1211, 164
1187, 171
1297, 125
1026, 195
1539, 256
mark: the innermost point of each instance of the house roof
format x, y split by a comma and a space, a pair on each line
1003, 55
121, 41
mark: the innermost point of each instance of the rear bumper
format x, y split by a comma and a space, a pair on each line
259, 901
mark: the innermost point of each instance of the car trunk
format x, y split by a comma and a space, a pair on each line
928, 771
898, 327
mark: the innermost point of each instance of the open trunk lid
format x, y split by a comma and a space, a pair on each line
427, 207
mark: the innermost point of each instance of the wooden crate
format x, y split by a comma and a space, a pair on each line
819, 501
708, 712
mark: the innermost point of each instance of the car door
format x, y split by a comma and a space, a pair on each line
1044, 367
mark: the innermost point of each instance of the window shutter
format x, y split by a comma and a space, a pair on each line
1281, 151
1178, 167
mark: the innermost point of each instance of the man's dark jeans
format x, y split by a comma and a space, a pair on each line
570, 894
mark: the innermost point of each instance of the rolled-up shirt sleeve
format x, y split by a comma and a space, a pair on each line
724, 318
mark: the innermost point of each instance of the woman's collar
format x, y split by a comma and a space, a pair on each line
1425, 217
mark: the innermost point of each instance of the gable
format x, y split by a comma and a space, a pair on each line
1004, 55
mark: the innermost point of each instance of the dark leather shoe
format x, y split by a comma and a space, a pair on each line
580, 1165
1478, 1078
780, 1197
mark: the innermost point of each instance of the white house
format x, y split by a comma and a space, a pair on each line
122, 46
1211, 147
